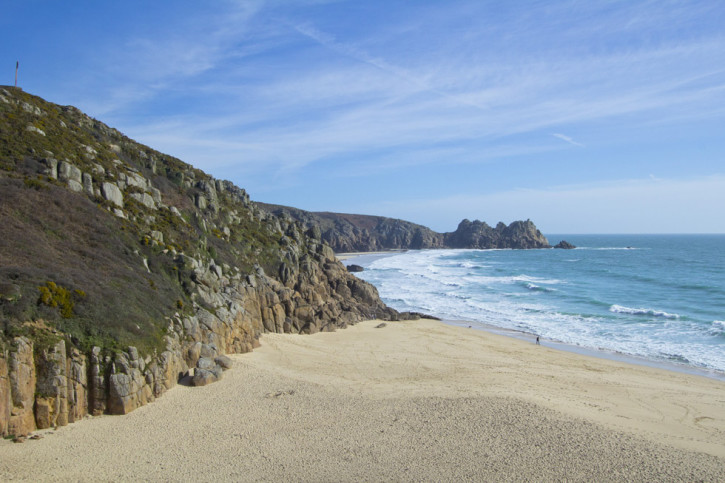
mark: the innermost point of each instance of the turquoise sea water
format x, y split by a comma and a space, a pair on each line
661, 297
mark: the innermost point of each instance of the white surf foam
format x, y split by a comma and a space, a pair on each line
446, 284
717, 327
619, 309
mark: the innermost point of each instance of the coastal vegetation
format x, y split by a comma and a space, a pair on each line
123, 269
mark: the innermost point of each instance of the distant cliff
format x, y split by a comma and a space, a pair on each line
362, 233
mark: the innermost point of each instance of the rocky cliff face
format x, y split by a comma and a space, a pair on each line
123, 270
362, 233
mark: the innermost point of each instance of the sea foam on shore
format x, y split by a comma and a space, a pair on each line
657, 299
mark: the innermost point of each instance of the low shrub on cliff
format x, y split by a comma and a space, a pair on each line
53, 295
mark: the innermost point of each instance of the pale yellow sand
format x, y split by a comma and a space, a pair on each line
418, 401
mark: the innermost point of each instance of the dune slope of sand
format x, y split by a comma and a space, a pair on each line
413, 400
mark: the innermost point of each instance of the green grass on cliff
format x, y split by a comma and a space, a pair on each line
57, 238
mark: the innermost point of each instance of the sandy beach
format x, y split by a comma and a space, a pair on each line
414, 400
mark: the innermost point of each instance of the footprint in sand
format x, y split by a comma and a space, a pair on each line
279, 394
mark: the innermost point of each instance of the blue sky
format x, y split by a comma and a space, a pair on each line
584, 116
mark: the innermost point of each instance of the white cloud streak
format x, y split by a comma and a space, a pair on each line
416, 81
147, 66
567, 139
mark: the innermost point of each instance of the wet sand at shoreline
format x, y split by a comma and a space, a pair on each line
414, 400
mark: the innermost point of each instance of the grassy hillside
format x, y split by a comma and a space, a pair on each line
108, 272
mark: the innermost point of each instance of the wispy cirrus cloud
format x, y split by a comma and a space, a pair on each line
567, 139
347, 108
417, 81
170, 58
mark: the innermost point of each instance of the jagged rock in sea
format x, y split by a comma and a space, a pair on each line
354, 268
123, 270
565, 245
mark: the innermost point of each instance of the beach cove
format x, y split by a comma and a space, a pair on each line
414, 400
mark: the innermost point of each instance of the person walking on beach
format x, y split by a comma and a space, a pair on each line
537, 340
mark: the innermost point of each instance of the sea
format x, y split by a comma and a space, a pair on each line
655, 298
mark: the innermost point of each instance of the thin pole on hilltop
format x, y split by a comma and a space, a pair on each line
17, 64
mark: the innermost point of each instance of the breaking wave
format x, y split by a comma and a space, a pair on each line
718, 327
665, 306
619, 309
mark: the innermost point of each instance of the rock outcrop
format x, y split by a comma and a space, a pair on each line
477, 234
565, 245
124, 270
21, 378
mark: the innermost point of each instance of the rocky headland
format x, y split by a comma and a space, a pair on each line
363, 233
123, 270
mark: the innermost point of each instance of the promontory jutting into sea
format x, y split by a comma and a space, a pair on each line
658, 296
